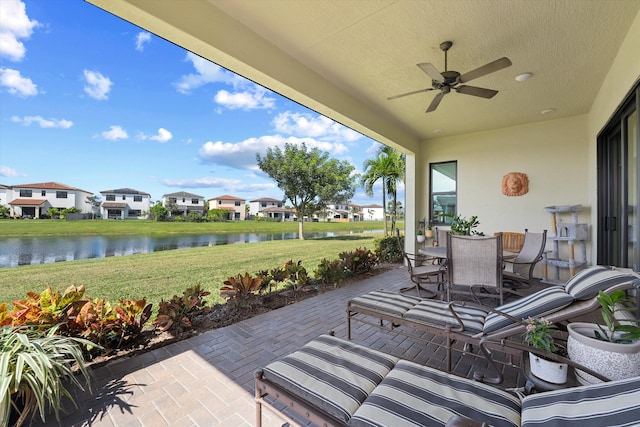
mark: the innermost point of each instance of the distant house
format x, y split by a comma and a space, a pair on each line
267, 207
125, 203
3, 195
34, 200
372, 213
235, 206
184, 202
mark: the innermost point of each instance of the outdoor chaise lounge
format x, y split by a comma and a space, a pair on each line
333, 382
469, 323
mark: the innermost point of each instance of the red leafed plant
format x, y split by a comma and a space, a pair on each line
178, 313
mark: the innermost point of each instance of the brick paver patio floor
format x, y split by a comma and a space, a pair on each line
208, 380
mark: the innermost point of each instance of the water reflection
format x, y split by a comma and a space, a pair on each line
15, 251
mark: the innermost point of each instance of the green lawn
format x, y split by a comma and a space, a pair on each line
160, 275
144, 227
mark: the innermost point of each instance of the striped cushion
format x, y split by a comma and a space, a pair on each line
615, 403
432, 312
331, 374
386, 302
586, 283
537, 304
415, 395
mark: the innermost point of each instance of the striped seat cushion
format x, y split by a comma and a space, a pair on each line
537, 304
432, 312
586, 283
615, 403
331, 374
415, 395
386, 302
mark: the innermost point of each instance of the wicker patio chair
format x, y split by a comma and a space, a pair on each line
511, 241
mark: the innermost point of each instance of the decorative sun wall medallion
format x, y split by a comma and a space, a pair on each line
515, 184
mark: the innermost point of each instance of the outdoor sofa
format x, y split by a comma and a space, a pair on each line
334, 382
468, 323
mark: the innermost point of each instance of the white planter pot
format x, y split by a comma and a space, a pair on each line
548, 370
420, 238
615, 361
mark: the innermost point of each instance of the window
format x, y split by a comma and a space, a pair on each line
43, 193
25, 193
236, 203
111, 197
124, 197
183, 199
135, 212
194, 201
172, 200
264, 205
443, 192
137, 198
219, 202
61, 194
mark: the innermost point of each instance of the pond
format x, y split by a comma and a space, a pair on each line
16, 251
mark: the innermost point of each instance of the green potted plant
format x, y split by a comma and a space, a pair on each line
463, 227
539, 334
419, 235
36, 367
612, 349
429, 232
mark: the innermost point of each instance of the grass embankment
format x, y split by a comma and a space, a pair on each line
160, 275
143, 227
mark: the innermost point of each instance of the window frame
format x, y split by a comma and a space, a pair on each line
434, 217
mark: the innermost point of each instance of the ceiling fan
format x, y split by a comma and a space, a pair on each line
448, 80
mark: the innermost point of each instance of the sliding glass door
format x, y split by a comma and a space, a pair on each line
618, 187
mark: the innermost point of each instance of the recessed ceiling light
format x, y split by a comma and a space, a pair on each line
524, 76
437, 131
548, 111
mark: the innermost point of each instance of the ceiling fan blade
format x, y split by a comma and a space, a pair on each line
477, 91
409, 93
491, 67
431, 71
436, 101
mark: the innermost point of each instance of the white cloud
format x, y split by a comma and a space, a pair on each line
242, 155
114, 133
97, 86
373, 148
14, 25
315, 126
141, 39
246, 95
162, 136
229, 185
245, 100
206, 72
7, 171
44, 123
16, 84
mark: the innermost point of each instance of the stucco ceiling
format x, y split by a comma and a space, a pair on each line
344, 58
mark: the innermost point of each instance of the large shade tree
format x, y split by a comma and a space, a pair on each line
388, 168
309, 178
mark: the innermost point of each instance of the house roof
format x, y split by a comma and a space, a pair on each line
276, 209
345, 59
27, 202
125, 191
266, 199
227, 197
373, 206
49, 186
183, 194
114, 205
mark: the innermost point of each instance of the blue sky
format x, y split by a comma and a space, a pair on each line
94, 102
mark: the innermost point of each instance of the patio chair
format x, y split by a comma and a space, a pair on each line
511, 241
474, 263
519, 271
441, 236
332, 382
467, 323
422, 270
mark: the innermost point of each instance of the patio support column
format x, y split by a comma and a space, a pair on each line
413, 201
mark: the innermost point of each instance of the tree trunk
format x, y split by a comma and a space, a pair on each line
300, 229
384, 207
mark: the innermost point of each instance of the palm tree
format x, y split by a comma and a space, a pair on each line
388, 167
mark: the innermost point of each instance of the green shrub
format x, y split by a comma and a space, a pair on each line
387, 249
359, 261
331, 272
